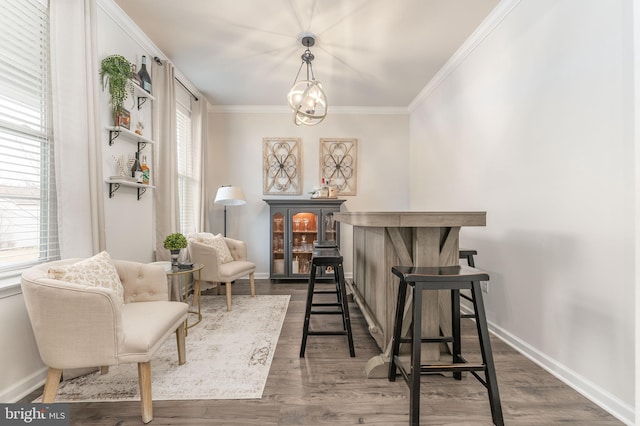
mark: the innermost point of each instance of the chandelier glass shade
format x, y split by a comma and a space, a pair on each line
306, 97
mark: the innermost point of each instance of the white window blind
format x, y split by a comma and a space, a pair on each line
187, 182
28, 226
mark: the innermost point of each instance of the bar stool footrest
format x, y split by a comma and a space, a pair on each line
326, 312
443, 339
451, 367
327, 333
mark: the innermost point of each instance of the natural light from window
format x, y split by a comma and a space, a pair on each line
27, 197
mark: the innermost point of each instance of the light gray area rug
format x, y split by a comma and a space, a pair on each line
228, 357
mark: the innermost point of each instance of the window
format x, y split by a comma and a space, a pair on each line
188, 182
28, 226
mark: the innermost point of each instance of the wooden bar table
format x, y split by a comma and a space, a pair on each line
409, 238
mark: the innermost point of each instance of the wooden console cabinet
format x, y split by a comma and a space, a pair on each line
294, 226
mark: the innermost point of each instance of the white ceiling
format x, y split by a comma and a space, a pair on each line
375, 53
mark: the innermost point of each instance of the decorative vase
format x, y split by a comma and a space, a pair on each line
175, 254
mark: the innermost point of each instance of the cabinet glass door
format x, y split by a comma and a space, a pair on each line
329, 228
277, 241
304, 228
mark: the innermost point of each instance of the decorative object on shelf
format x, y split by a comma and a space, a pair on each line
136, 169
134, 75
307, 98
281, 162
122, 169
143, 74
228, 195
338, 164
139, 127
145, 170
115, 72
174, 243
123, 118
325, 190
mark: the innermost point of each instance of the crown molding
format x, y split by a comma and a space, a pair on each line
129, 27
284, 109
132, 30
497, 15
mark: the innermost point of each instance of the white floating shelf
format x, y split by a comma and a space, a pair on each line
115, 184
128, 183
129, 133
141, 93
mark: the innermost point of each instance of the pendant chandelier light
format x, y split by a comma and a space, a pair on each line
306, 98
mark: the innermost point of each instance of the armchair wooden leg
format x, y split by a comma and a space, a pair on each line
252, 284
228, 286
218, 287
144, 378
180, 333
51, 385
104, 369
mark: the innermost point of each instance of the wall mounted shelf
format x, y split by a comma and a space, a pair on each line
116, 131
115, 184
142, 95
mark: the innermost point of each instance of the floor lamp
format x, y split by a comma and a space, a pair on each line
228, 195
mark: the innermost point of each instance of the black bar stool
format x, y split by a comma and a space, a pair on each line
452, 278
468, 256
327, 256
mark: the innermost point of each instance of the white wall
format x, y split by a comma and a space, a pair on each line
20, 364
535, 126
129, 222
236, 158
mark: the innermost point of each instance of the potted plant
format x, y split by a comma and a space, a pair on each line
174, 243
116, 73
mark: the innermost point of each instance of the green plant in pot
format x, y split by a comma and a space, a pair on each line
174, 243
116, 74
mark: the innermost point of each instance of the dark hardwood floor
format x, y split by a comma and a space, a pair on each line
328, 387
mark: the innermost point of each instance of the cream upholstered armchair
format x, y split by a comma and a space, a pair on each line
224, 260
85, 316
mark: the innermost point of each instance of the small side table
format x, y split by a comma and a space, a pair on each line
174, 271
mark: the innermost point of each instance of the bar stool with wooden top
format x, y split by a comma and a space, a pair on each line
325, 257
453, 278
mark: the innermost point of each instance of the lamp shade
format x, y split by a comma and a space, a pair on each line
230, 196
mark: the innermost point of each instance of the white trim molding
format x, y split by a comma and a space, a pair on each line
487, 26
129, 27
132, 30
24, 387
284, 109
604, 399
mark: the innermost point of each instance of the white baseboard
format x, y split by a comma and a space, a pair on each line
604, 399
24, 387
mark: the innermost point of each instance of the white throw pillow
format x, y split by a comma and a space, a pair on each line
96, 271
202, 237
219, 244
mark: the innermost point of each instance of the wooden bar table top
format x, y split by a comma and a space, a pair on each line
382, 240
